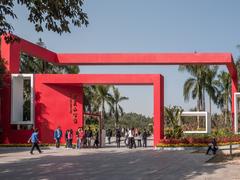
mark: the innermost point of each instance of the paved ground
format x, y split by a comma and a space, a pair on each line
111, 163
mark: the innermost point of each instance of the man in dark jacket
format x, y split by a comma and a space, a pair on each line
212, 146
118, 137
89, 136
144, 138
109, 135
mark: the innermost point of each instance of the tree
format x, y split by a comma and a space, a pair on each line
35, 65
224, 93
211, 85
3, 71
29, 64
115, 109
101, 96
202, 80
173, 118
129, 120
52, 15
195, 84
90, 103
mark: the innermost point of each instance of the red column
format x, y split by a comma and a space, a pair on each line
158, 118
234, 77
81, 107
234, 90
11, 54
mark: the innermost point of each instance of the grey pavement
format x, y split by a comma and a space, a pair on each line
111, 163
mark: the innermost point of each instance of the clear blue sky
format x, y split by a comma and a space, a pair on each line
147, 26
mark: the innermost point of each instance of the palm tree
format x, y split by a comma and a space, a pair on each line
202, 80
195, 84
224, 93
211, 85
88, 98
101, 96
115, 109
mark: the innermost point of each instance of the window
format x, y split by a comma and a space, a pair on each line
22, 110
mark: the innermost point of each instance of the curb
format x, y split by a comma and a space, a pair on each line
195, 148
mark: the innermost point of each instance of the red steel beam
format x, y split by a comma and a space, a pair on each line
145, 58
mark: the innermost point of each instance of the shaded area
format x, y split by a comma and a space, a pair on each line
9, 150
109, 164
223, 157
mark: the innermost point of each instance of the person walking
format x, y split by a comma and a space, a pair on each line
34, 140
96, 141
109, 135
144, 138
126, 141
139, 139
89, 136
69, 138
57, 136
66, 138
80, 137
131, 138
118, 137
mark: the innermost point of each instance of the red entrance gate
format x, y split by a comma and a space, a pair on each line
55, 91
11, 53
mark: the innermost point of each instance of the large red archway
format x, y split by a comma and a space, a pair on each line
11, 53
54, 92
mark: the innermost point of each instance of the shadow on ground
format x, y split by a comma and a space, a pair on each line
223, 158
124, 165
8, 150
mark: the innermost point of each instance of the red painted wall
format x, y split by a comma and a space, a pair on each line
52, 108
52, 93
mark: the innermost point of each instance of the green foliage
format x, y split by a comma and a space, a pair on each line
114, 103
173, 119
29, 64
129, 120
2, 71
175, 132
202, 79
52, 15
27, 100
35, 65
224, 132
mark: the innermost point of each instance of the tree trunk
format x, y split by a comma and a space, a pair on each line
103, 114
116, 117
198, 109
210, 108
225, 112
203, 100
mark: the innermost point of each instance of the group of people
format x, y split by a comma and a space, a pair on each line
130, 136
83, 138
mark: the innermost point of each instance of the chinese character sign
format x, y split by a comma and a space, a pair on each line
73, 107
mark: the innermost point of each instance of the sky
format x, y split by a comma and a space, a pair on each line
146, 26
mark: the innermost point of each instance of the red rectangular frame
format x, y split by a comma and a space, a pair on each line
55, 89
